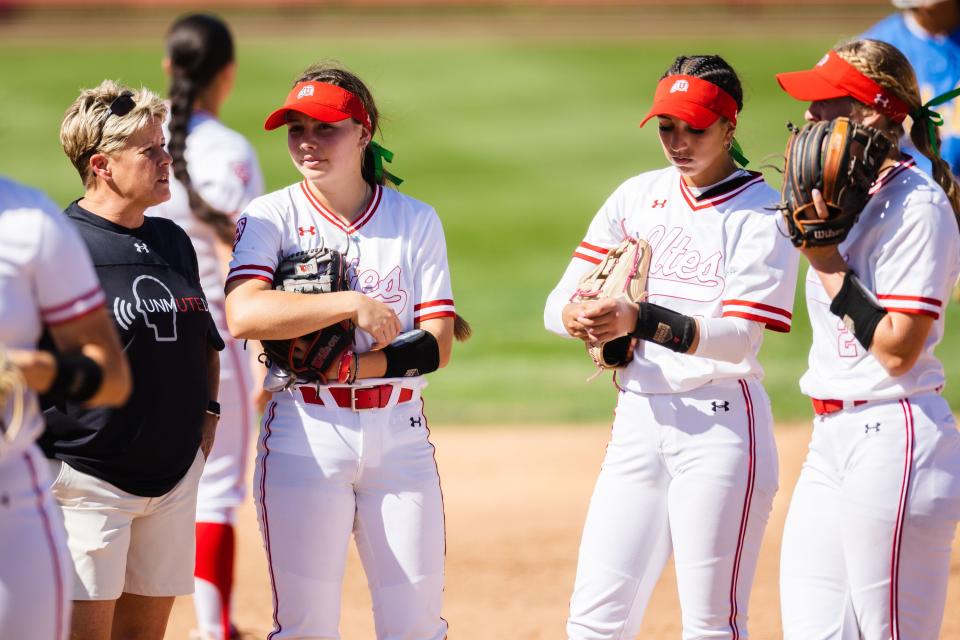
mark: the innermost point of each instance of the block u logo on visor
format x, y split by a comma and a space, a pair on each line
697, 102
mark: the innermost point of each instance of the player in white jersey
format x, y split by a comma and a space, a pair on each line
866, 548
217, 175
46, 280
691, 467
352, 455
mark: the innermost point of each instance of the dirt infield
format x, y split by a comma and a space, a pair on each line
515, 502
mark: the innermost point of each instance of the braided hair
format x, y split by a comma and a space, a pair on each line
713, 69
199, 46
888, 67
331, 72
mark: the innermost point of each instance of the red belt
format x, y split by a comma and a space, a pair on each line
823, 407
357, 398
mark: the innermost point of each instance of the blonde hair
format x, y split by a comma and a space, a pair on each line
887, 66
82, 123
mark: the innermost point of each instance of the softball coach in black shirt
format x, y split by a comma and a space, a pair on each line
126, 478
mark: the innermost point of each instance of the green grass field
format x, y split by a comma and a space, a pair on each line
515, 142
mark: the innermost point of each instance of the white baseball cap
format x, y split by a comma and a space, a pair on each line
915, 4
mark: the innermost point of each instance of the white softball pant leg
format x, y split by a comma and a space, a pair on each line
35, 567
372, 474
866, 547
692, 474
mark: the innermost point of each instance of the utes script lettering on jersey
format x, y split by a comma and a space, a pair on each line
692, 276
387, 289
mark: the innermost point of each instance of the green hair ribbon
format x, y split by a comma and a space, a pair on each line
933, 118
736, 152
380, 155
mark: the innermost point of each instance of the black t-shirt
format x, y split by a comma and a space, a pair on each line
152, 287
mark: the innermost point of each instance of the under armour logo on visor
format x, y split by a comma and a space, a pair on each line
305, 92
883, 102
680, 85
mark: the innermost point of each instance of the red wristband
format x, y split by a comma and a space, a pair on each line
346, 367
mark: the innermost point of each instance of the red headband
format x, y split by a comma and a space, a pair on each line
695, 101
834, 77
321, 101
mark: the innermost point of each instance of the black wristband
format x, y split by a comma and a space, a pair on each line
414, 353
78, 378
858, 308
213, 408
667, 328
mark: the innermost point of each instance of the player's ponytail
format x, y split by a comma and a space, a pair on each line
198, 47
887, 66
332, 72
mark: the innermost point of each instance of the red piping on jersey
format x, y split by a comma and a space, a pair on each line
769, 323
432, 303
439, 314
587, 258
593, 247
272, 410
901, 515
45, 311
353, 227
54, 552
917, 312
744, 515
247, 277
83, 314
252, 267
761, 306
890, 296
898, 168
719, 198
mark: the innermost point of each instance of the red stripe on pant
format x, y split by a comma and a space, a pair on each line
272, 410
54, 552
901, 516
744, 515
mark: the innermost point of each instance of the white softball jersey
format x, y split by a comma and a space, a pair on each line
396, 251
225, 172
906, 249
716, 252
46, 278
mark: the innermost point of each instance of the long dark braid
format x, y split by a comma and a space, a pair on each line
711, 68
199, 46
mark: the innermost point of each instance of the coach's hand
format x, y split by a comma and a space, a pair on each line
207, 434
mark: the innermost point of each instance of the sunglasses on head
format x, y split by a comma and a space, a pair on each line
121, 106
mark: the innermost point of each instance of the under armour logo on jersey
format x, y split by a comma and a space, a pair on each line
725, 405
658, 204
306, 92
305, 230
680, 85
141, 247
883, 102
416, 422
867, 428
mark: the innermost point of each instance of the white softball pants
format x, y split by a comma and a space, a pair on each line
866, 547
323, 473
693, 474
35, 567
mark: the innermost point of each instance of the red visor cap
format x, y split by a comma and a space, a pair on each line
834, 77
321, 101
695, 101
